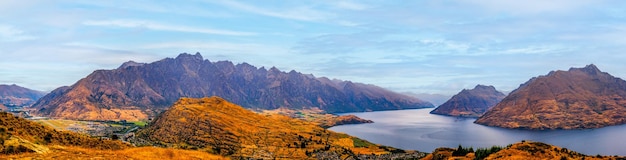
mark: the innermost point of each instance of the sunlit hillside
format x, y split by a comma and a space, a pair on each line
218, 126
24, 139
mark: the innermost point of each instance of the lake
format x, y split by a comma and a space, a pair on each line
417, 129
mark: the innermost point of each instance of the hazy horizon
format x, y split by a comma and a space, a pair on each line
436, 47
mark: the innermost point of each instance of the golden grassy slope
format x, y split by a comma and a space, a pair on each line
220, 127
23, 139
140, 153
32, 132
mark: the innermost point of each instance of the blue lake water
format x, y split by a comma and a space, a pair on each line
419, 130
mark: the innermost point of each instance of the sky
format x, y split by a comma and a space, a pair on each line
438, 46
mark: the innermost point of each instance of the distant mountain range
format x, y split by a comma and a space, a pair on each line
139, 90
435, 99
470, 103
575, 99
14, 95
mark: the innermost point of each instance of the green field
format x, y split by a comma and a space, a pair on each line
140, 123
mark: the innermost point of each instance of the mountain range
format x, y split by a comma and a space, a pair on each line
575, 99
470, 103
14, 95
142, 90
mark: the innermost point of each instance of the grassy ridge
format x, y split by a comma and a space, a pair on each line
218, 126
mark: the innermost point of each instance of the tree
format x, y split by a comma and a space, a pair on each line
460, 151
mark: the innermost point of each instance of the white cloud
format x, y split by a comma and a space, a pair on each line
12, 34
163, 27
534, 50
534, 6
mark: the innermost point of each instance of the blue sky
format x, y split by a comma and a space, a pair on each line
438, 46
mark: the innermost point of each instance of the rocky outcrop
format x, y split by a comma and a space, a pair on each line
140, 91
575, 99
470, 103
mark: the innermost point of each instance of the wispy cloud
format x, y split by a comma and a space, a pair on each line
535, 6
217, 47
163, 27
351, 5
418, 46
302, 13
12, 34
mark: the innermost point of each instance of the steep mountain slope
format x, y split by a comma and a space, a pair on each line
470, 103
575, 99
14, 95
522, 150
138, 91
218, 126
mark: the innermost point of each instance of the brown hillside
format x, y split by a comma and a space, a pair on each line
575, 99
218, 126
519, 151
470, 103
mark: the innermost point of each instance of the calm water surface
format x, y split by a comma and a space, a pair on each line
419, 130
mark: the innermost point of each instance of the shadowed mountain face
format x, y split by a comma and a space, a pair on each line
14, 95
138, 91
575, 99
470, 103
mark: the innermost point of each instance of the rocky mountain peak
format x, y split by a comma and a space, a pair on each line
470, 103
130, 64
197, 56
579, 98
589, 69
484, 87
